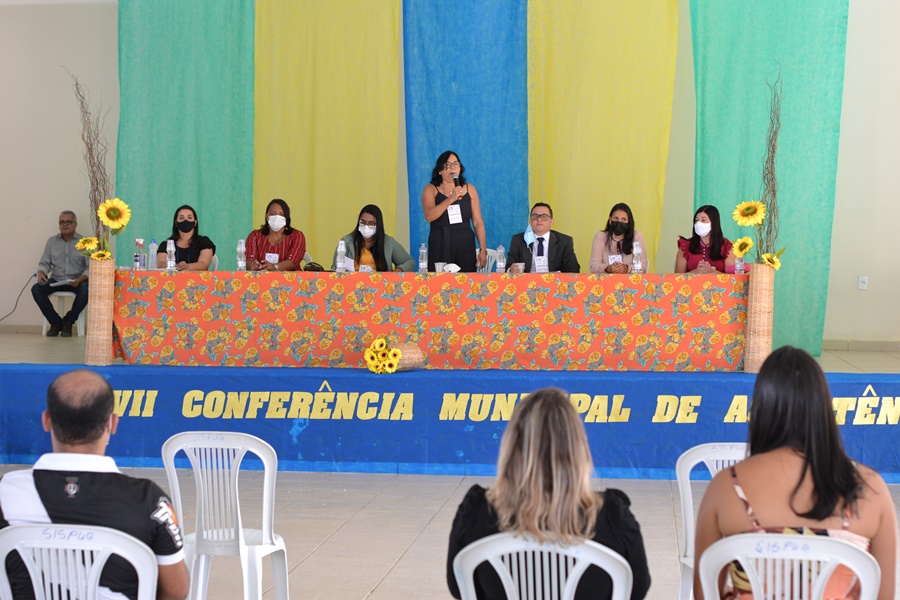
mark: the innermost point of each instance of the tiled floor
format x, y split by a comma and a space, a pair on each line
376, 536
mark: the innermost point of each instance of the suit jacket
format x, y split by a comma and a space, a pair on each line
561, 258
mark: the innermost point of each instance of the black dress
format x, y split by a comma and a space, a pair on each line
453, 243
192, 254
616, 529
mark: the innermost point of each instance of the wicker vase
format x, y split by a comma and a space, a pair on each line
411, 357
101, 283
760, 315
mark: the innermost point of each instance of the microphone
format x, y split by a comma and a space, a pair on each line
455, 179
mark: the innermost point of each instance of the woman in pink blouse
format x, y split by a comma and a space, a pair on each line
276, 246
707, 251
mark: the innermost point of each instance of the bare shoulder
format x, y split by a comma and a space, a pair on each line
471, 189
872, 481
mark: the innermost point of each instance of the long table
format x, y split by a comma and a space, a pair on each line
460, 321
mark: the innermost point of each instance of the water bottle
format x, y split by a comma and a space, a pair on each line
241, 256
170, 255
500, 265
151, 255
739, 265
638, 265
138, 254
423, 259
340, 266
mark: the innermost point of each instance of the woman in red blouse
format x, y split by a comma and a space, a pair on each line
276, 246
707, 251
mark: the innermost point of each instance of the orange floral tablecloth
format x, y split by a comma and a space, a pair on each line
461, 321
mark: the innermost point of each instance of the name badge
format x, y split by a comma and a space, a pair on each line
454, 212
365, 269
272, 258
615, 258
539, 265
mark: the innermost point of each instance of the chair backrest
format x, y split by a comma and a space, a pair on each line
71, 557
491, 260
716, 456
535, 570
215, 458
788, 566
214, 263
307, 258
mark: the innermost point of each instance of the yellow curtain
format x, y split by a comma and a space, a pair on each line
326, 114
600, 83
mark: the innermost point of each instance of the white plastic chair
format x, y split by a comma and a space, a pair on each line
491, 260
307, 258
788, 566
215, 458
716, 456
530, 569
60, 298
214, 263
72, 557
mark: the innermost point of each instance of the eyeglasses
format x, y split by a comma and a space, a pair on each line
368, 223
450, 165
67, 222
536, 217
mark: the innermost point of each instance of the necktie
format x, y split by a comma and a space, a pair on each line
540, 246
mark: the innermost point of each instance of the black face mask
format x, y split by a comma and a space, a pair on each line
186, 226
618, 227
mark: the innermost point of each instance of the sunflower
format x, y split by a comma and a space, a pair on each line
390, 366
395, 354
742, 246
379, 344
748, 214
370, 357
87, 243
114, 213
101, 255
772, 260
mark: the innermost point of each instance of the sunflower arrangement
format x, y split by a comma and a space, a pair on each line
114, 215
380, 358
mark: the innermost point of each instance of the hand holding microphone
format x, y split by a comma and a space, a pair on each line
456, 186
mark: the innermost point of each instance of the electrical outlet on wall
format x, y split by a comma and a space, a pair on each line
862, 282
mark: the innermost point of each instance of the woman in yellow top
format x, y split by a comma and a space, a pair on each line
370, 248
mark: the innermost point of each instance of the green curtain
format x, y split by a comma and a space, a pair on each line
738, 46
186, 119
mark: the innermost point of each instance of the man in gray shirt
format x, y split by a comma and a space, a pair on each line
62, 263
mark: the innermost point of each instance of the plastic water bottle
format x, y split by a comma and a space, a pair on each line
340, 266
500, 265
139, 254
423, 259
638, 265
151, 254
241, 256
170, 255
739, 265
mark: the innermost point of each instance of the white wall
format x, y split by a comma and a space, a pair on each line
42, 171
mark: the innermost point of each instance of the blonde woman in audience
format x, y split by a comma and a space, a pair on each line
543, 490
798, 479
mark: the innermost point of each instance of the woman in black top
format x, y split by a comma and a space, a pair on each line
193, 252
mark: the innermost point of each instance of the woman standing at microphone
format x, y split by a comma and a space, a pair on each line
452, 207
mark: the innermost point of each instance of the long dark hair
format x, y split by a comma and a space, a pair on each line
716, 239
628, 241
439, 166
378, 243
792, 407
287, 216
195, 233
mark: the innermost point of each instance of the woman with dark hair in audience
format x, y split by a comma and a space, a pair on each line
707, 251
276, 246
451, 205
193, 252
543, 490
370, 248
613, 247
798, 479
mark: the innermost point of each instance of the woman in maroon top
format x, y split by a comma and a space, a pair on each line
276, 246
707, 251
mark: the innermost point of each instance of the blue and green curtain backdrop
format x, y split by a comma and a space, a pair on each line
226, 104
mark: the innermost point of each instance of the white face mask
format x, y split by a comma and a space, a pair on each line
276, 222
367, 232
702, 229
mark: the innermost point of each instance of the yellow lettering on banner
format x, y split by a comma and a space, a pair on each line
666, 409
737, 412
686, 408
841, 406
121, 399
597, 412
864, 414
235, 404
453, 407
191, 405
257, 400
889, 414
503, 407
345, 405
403, 410
618, 414
364, 409
276, 408
581, 402
301, 405
480, 406
150, 404
385, 411
136, 402
321, 408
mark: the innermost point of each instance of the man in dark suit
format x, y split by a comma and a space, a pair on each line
544, 250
